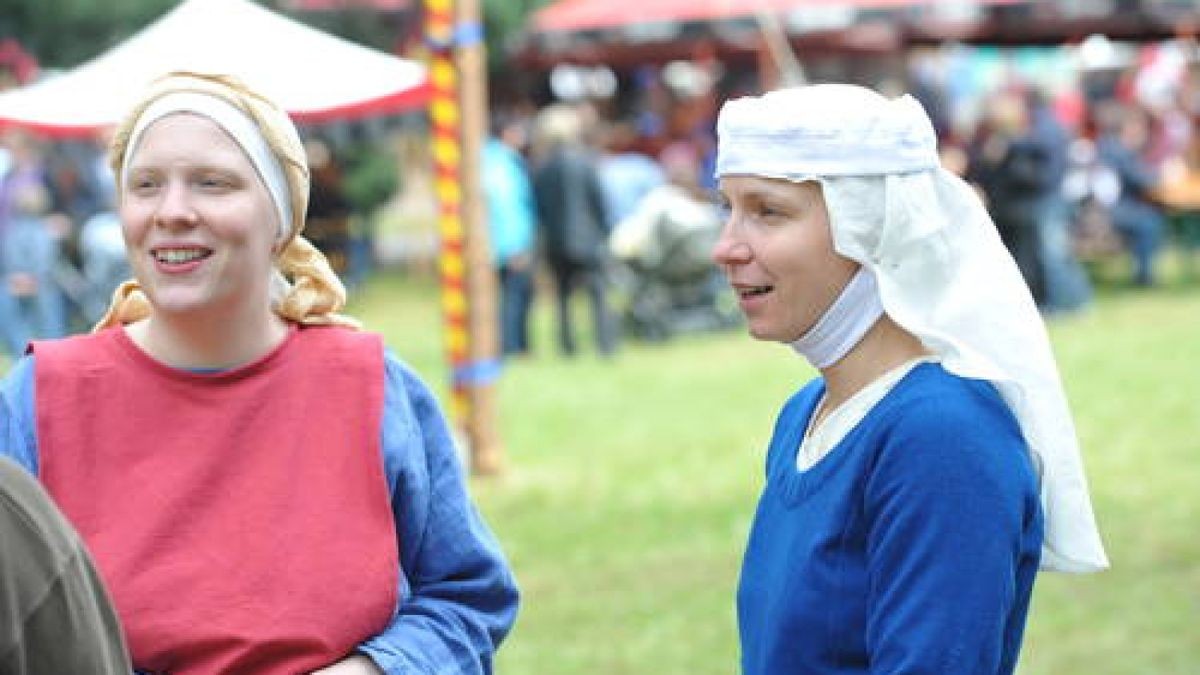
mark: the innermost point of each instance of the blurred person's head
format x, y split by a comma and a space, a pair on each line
620, 137
31, 198
557, 125
1134, 128
1127, 123
680, 164
1007, 113
317, 153
24, 149
510, 129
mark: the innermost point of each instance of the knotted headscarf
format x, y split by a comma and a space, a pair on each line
941, 269
305, 288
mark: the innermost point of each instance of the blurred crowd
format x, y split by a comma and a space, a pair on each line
617, 200
61, 250
606, 209
610, 196
1068, 184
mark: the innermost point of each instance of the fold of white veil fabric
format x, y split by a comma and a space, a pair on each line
945, 276
942, 271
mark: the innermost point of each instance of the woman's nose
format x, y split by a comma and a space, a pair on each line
729, 249
175, 209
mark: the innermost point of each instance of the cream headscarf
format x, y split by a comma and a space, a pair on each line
305, 288
942, 271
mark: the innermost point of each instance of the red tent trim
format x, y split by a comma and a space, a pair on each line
400, 101
334, 5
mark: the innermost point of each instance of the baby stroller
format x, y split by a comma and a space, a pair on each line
670, 282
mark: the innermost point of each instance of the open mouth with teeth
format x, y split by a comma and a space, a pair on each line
752, 291
180, 256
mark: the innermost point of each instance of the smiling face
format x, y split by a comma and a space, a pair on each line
199, 224
776, 249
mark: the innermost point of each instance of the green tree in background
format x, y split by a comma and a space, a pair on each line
65, 33
503, 20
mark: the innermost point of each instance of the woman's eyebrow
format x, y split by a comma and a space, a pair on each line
792, 195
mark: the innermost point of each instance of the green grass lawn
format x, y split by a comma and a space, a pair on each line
631, 483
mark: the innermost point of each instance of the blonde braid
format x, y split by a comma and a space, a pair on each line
316, 292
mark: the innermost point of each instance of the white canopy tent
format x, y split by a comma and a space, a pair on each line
315, 76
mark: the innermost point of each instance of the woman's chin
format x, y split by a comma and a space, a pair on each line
176, 303
764, 333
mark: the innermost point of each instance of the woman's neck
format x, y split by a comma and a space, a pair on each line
193, 342
884, 346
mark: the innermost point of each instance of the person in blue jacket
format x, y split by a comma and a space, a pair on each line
512, 224
916, 485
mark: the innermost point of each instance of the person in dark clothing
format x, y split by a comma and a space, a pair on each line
1009, 167
329, 211
573, 224
1137, 218
55, 614
1065, 283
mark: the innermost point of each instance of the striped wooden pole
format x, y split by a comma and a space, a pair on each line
457, 112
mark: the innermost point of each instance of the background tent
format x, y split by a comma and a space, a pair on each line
625, 36
315, 76
572, 15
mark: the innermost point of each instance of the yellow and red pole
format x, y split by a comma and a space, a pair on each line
457, 113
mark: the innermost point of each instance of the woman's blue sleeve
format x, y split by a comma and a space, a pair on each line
458, 598
17, 439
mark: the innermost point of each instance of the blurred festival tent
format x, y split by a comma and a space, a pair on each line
1071, 22
656, 31
315, 76
626, 34
567, 15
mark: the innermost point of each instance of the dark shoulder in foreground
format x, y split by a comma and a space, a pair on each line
28, 517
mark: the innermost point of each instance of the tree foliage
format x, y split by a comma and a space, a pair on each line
503, 20
65, 33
